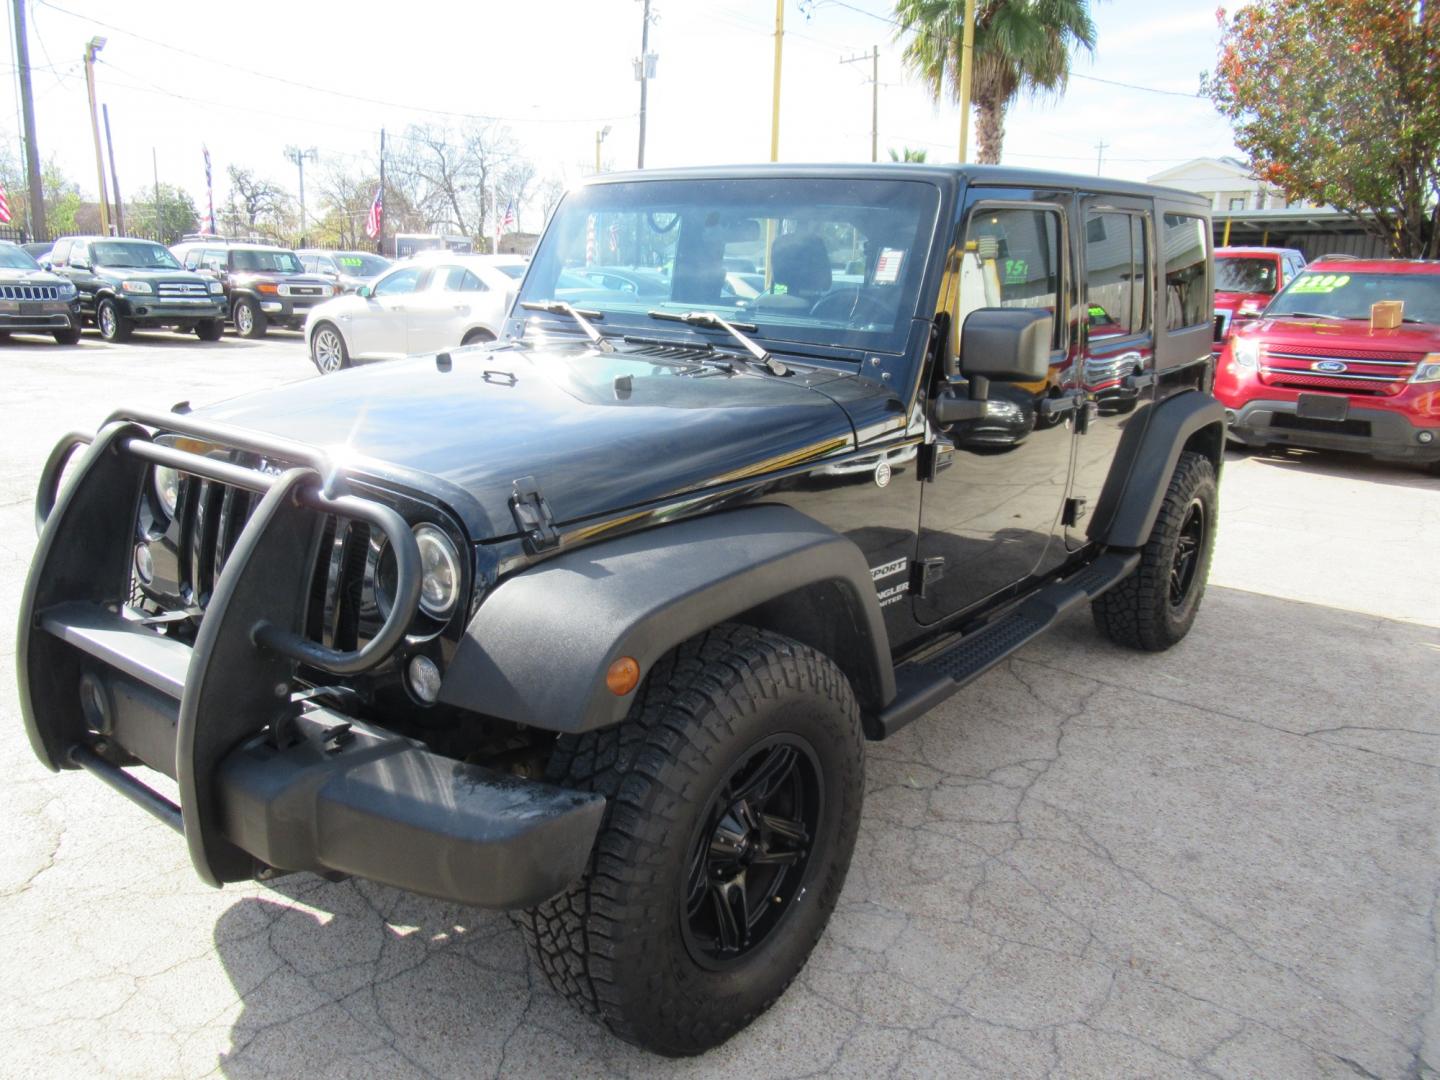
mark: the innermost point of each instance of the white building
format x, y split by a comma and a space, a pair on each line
1228, 183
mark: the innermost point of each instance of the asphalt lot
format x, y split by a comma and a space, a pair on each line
1220, 861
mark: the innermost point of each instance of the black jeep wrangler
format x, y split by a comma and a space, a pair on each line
263, 285
126, 284
593, 623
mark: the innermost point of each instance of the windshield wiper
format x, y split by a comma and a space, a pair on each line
710, 321
1310, 315
581, 315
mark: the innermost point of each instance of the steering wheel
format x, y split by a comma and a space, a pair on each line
847, 305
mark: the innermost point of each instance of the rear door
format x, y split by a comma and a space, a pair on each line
438, 316
1117, 369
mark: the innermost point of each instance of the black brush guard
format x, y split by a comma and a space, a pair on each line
264, 783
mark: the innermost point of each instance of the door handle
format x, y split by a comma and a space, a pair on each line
1139, 380
464, 309
1068, 400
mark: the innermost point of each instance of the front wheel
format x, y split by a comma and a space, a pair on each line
210, 329
733, 798
1155, 606
327, 350
112, 325
249, 319
69, 336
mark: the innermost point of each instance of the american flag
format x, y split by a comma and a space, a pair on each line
4, 207
209, 192
508, 221
377, 212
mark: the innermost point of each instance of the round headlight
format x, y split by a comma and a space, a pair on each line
439, 570
167, 488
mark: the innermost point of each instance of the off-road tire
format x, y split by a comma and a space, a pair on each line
613, 943
210, 329
251, 324
70, 336
1138, 612
112, 325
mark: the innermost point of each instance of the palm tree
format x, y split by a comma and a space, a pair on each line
1020, 46
908, 155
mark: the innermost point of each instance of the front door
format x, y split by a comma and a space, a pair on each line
379, 328
1116, 373
990, 518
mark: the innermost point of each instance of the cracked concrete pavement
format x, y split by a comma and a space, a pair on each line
1220, 861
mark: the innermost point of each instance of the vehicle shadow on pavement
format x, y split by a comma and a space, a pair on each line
1342, 466
1218, 860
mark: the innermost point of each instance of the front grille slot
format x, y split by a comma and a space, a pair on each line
1367, 371
1331, 427
29, 292
181, 288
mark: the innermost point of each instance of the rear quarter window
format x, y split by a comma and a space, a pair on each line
1184, 244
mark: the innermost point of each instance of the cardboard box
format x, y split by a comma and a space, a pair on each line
1386, 314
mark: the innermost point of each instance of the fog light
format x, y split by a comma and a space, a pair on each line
144, 564
425, 679
1426, 437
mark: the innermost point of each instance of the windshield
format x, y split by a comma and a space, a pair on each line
282, 262
359, 264
14, 258
132, 254
1247, 275
1349, 296
823, 262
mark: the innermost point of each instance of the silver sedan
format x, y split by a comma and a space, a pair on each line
420, 305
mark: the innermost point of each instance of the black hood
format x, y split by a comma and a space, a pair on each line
13, 275
148, 273
599, 432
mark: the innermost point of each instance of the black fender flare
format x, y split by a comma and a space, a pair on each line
1146, 458
537, 649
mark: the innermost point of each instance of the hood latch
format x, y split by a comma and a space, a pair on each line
532, 514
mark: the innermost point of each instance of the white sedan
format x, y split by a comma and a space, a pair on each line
420, 305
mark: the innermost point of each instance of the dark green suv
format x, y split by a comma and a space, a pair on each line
125, 285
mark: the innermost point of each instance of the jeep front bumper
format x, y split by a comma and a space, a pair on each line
268, 780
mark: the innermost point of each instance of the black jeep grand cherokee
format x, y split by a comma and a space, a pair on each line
126, 285
593, 623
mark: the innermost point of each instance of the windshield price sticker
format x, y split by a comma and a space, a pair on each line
887, 270
1320, 283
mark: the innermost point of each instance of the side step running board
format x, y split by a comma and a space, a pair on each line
924, 683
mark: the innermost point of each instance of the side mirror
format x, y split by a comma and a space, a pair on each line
363, 292
79, 264
1006, 344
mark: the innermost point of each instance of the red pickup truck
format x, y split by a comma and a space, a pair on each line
1246, 279
1315, 370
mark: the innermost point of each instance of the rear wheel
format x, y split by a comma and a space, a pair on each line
1156, 605
478, 337
210, 329
112, 325
327, 349
734, 791
250, 321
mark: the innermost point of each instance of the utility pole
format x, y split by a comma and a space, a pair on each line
1100, 148
35, 205
967, 76
298, 157
775, 97
155, 175
93, 46
874, 57
600, 137
642, 72
114, 176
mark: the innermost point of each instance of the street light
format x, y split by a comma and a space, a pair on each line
93, 46
600, 137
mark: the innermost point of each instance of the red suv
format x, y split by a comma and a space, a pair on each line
1246, 279
1312, 370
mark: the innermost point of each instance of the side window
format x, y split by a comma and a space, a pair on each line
1185, 246
192, 259
309, 263
457, 279
1011, 259
1110, 275
60, 253
79, 253
215, 260
399, 283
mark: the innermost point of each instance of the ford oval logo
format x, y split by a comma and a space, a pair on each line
1332, 366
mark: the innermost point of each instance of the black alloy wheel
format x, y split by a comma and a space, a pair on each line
1188, 546
750, 851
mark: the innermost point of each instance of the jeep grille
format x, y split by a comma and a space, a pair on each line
29, 292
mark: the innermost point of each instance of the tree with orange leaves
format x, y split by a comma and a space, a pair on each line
1337, 102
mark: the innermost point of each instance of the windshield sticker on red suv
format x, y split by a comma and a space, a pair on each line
1320, 283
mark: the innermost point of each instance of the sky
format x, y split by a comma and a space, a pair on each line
177, 75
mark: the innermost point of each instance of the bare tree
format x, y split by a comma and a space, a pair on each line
515, 185
452, 174
261, 203
552, 190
